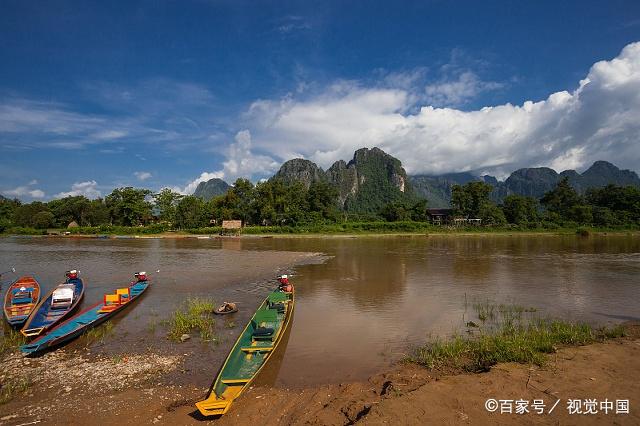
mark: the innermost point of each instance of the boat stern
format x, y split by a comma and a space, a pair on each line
32, 332
213, 406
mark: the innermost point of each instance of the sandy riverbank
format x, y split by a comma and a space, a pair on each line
69, 389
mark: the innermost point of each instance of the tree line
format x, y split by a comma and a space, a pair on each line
266, 203
274, 202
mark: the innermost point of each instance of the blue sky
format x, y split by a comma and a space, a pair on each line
95, 95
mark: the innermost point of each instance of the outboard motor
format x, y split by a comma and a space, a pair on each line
72, 274
283, 279
141, 276
284, 284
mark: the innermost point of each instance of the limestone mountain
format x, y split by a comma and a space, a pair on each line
532, 182
300, 170
365, 184
211, 188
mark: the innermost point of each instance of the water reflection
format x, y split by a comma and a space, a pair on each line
359, 309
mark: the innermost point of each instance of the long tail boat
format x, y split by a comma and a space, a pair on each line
90, 317
20, 298
251, 352
56, 306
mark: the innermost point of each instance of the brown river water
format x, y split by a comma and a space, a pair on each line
361, 303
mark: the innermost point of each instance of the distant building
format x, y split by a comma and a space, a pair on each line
440, 216
73, 224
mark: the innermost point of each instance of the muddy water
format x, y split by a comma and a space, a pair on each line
360, 307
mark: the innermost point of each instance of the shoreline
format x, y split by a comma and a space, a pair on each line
404, 394
431, 233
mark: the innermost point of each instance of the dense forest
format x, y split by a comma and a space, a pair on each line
276, 203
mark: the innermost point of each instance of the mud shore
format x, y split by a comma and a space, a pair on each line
70, 388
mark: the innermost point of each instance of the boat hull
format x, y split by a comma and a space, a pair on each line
22, 296
250, 353
81, 322
43, 317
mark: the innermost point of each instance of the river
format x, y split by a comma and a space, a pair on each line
361, 303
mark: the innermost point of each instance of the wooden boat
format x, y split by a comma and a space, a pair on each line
56, 306
249, 355
90, 317
20, 299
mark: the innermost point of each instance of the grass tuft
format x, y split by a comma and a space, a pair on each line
10, 341
194, 315
98, 334
509, 333
13, 388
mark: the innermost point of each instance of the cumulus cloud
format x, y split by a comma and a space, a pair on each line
142, 176
458, 91
25, 191
568, 129
89, 189
241, 162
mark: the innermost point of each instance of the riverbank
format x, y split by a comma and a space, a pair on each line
74, 387
431, 231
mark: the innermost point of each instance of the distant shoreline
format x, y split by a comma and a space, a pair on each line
431, 233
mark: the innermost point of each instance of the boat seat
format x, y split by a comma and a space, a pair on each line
234, 381
111, 302
22, 300
277, 296
251, 349
124, 293
263, 332
265, 316
279, 307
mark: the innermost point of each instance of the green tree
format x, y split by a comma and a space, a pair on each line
24, 214
166, 201
617, 199
191, 213
70, 209
98, 213
561, 199
43, 219
471, 198
582, 214
7, 212
520, 210
128, 206
322, 198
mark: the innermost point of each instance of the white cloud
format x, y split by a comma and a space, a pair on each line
458, 91
240, 162
142, 175
598, 120
89, 189
23, 191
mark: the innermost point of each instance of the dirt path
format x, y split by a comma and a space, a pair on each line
408, 395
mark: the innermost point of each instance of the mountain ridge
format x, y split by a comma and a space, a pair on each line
373, 178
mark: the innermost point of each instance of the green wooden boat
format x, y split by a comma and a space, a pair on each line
251, 352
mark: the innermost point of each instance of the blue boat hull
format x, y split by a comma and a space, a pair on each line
43, 318
80, 323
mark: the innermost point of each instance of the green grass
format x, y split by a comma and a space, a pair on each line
10, 341
509, 333
12, 388
98, 334
194, 315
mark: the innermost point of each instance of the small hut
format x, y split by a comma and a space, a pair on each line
73, 224
231, 227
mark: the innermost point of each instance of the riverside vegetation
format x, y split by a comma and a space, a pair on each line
506, 333
275, 207
370, 193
